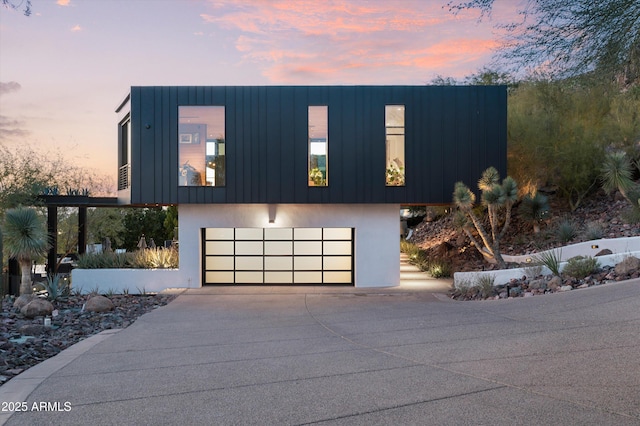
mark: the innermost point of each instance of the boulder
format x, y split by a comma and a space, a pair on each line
22, 300
628, 266
538, 285
603, 252
37, 308
98, 304
554, 283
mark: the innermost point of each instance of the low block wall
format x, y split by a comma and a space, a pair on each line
620, 248
118, 281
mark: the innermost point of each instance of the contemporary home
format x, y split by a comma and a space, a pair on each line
301, 185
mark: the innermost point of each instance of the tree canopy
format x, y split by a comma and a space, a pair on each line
568, 38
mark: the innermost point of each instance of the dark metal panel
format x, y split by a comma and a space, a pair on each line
287, 145
233, 129
263, 143
159, 153
244, 128
274, 144
134, 159
147, 146
300, 149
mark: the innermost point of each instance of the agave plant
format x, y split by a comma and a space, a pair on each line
25, 238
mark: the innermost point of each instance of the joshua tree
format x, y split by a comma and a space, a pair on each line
496, 197
25, 238
617, 173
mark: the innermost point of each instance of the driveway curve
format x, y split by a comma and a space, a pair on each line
304, 355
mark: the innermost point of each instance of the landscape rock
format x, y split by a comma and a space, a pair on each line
37, 308
32, 329
22, 301
99, 304
554, 283
566, 288
538, 285
603, 252
628, 266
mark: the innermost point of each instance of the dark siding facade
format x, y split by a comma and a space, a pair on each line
452, 133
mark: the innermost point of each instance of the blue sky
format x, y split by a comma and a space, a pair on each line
64, 69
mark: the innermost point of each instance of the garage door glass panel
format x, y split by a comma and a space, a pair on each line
219, 247
307, 247
340, 263
224, 263
337, 247
248, 248
278, 277
277, 248
249, 263
309, 263
337, 234
249, 234
307, 233
278, 234
278, 263
219, 233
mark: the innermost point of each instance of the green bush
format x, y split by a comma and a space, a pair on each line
440, 269
566, 230
580, 267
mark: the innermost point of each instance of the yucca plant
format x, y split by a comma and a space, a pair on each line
496, 197
533, 209
56, 287
25, 238
617, 174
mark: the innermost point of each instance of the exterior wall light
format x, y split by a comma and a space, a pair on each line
272, 213
594, 246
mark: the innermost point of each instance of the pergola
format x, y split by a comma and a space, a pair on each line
82, 202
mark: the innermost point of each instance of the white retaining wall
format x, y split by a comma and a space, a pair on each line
620, 247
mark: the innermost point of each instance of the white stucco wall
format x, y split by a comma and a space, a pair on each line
377, 260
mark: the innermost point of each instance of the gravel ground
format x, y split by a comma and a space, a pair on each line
25, 342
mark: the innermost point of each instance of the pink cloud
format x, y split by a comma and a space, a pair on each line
340, 40
63, 2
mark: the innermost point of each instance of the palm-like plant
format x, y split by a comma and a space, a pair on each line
25, 238
496, 197
533, 209
617, 173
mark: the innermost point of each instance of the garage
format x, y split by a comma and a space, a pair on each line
278, 256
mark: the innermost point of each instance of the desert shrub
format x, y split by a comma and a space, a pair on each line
594, 231
533, 270
104, 260
152, 258
566, 230
485, 284
57, 287
580, 266
440, 269
155, 258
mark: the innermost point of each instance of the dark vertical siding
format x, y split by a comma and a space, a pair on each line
451, 133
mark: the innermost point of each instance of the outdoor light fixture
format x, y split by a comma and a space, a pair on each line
528, 260
594, 246
272, 213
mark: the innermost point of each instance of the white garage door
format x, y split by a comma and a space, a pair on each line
277, 255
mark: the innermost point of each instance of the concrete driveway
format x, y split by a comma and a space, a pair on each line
306, 355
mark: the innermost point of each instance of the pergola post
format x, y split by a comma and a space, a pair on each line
82, 230
52, 229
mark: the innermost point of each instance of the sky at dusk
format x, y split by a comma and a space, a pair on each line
65, 69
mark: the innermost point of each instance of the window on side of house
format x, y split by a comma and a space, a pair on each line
318, 145
394, 125
123, 154
201, 146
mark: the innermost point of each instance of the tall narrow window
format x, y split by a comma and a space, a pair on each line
201, 146
394, 123
318, 145
124, 168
